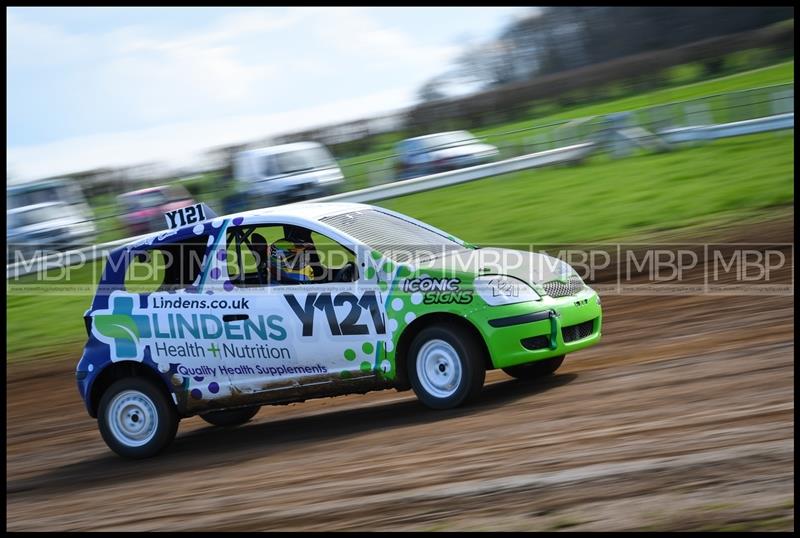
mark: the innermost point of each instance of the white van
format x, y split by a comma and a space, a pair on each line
287, 173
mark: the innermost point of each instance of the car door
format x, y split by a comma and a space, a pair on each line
286, 337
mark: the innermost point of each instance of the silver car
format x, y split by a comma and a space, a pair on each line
46, 227
440, 152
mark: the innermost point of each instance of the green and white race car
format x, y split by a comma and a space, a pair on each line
220, 315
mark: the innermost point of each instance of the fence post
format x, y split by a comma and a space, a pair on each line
782, 102
374, 174
620, 147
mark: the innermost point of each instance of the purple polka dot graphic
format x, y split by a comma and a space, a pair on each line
196, 394
213, 387
237, 221
198, 378
215, 272
222, 255
228, 285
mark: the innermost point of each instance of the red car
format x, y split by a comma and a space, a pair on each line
145, 208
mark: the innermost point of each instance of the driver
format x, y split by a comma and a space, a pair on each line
289, 260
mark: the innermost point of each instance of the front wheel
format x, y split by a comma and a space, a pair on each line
136, 419
445, 366
535, 370
230, 417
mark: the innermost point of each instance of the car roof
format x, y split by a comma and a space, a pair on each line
32, 207
144, 191
38, 184
282, 148
308, 211
423, 137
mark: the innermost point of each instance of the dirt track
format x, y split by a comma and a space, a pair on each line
682, 418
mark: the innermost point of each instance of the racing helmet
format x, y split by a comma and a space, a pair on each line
288, 261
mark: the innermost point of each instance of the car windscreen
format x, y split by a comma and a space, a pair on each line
394, 237
178, 192
301, 160
448, 140
21, 198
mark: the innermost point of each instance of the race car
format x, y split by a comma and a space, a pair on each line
217, 316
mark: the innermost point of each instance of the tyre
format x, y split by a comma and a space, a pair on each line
136, 419
230, 417
446, 366
535, 370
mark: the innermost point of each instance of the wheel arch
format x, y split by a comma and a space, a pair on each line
120, 370
428, 320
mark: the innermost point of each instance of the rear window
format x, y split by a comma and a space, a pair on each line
170, 267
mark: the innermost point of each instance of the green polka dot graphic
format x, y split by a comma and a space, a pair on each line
401, 310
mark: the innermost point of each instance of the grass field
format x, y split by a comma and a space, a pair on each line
607, 199
600, 200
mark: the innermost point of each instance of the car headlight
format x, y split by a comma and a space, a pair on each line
498, 290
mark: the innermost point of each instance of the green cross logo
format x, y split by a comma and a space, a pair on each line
121, 328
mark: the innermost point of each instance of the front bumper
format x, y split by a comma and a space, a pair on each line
528, 332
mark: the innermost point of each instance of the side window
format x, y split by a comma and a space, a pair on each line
285, 254
247, 253
332, 255
145, 272
169, 267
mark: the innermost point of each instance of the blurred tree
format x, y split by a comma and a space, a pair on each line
554, 39
431, 90
491, 63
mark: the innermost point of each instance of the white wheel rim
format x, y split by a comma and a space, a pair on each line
132, 417
439, 368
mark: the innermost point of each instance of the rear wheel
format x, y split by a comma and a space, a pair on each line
535, 370
136, 419
445, 366
230, 417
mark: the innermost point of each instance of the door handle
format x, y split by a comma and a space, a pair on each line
234, 317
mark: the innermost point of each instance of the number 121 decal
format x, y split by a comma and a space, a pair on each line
325, 302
